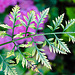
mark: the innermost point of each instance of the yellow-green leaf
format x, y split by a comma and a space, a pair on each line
5, 26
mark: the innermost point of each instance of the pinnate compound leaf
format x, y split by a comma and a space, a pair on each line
69, 23
41, 57
32, 16
62, 45
11, 53
71, 38
54, 48
10, 71
16, 9
58, 21
43, 15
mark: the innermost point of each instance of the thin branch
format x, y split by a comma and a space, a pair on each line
38, 35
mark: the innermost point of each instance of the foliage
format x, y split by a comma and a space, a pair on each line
55, 45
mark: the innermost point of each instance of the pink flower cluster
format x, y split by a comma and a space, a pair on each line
21, 29
5, 3
24, 4
50, 55
7, 46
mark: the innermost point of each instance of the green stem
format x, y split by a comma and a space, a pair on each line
19, 51
38, 35
28, 24
24, 57
37, 28
34, 43
46, 39
13, 26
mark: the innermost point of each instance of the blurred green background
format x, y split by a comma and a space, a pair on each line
63, 64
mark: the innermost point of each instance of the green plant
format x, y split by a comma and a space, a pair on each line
55, 44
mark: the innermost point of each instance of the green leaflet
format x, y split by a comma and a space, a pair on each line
50, 27
22, 22
18, 25
5, 26
6, 71
39, 42
26, 45
51, 39
2, 33
17, 58
25, 18
19, 35
22, 45
31, 32
1, 65
32, 26
11, 19
11, 53
40, 28
23, 62
44, 43
33, 52
10, 61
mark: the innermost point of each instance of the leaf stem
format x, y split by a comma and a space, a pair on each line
38, 35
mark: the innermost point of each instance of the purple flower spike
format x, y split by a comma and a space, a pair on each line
51, 55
